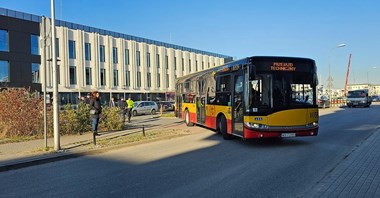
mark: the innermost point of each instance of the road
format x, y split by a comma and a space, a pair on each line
203, 165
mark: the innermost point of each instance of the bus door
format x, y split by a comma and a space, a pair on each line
201, 109
238, 104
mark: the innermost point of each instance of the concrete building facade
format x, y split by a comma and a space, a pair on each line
115, 64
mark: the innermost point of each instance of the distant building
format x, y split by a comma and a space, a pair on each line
116, 64
372, 89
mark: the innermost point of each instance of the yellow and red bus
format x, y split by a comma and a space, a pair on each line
256, 97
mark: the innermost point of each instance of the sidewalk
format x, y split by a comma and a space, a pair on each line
23, 154
358, 175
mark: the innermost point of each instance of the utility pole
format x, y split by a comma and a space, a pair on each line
57, 146
45, 27
348, 72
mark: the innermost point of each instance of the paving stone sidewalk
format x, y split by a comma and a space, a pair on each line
358, 175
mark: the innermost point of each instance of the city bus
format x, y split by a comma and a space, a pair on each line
256, 97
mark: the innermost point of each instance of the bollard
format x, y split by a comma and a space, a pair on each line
94, 137
143, 131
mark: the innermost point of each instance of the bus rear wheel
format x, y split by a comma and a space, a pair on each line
187, 119
222, 125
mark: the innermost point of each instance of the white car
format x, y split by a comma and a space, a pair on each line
144, 107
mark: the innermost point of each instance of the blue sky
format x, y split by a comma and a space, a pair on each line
243, 28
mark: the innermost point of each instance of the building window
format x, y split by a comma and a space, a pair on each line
115, 78
158, 80
71, 49
73, 75
58, 75
167, 62
35, 73
138, 79
189, 65
127, 78
175, 63
127, 56
57, 46
34, 44
114, 55
203, 65
196, 65
102, 53
87, 51
4, 41
88, 76
102, 77
148, 80
158, 60
183, 64
4, 71
208, 65
148, 59
167, 80
138, 58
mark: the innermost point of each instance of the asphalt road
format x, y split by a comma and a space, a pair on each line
203, 165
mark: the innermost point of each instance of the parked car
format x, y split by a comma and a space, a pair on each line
323, 102
375, 98
166, 105
144, 107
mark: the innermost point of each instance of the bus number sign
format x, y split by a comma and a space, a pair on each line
281, 66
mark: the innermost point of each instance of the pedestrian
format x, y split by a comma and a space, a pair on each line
87, 99
95, 111
112, 102
130, 105
123, 108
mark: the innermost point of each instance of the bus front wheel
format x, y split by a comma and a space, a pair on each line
187, 119
223, 128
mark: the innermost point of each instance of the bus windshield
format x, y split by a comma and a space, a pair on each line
279, 90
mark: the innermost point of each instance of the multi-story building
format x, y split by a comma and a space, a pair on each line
116, 64
372, 89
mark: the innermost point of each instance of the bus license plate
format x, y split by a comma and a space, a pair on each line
285, 135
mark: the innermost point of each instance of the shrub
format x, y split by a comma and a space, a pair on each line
21, 113
110, 118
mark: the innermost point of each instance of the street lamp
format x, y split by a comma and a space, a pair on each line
330, 79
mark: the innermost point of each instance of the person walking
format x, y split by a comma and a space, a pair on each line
130, 105
123, 108
95, 111
112, 102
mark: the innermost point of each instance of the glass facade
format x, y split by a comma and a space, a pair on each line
148, 80
87, 51
4, 71
158, 80
57, 46
102, 53
35, 73
88, 76
158, 60
183, 64
4, 40
34, 40
114, 55
73, 75
148, 59
175, 63
167, 80
126, 56
138, 79
102, 77
72, 49
138, 58
167, 62
127, 78
115, 78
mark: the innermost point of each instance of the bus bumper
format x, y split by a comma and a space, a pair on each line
253, 134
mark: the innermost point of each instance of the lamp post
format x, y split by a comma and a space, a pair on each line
330, 79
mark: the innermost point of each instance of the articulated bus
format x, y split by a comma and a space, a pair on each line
256, 97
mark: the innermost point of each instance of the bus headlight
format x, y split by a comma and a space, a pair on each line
312, 125
256, 125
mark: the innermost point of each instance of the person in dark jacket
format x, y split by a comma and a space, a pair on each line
95, 105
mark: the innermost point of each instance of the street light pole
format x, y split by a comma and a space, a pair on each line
330, 79
57, 146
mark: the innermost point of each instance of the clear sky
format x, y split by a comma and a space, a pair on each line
242, 28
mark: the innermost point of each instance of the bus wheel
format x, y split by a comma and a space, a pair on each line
187, 119
223, 128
